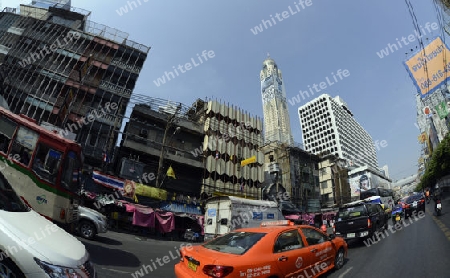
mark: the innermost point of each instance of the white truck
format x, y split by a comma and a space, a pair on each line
224, 214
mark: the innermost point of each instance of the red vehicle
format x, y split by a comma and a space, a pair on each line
276, 249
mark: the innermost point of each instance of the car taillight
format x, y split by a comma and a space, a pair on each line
217, 271
369, 223
407, 206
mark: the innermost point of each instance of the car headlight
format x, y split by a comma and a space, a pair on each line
55, 271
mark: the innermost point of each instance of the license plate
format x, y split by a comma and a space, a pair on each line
397, 218
192, 266
415, 204
438, 206
351, 235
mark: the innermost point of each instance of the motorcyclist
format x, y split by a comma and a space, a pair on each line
437, 195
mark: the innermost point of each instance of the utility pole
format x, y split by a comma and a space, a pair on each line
170, 121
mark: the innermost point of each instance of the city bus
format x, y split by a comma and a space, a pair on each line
42, 167
388, 196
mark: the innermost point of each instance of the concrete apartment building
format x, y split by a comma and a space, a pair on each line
330, 131
204, 144
167, 130
231, 136
58, 67
334, 182
328, 126
290, 169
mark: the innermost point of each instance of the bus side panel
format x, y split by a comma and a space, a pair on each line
42, 201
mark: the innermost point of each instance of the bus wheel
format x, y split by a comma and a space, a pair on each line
87, 229
9, 270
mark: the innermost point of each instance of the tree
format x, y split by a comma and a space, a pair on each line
438, 166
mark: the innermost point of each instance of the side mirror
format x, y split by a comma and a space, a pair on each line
331, 237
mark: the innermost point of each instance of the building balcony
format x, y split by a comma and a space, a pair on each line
106, 119
117, 89
126, 66
182, 122
154, 149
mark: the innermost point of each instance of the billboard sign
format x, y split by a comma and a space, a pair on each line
428, 67
358, 183
365, 181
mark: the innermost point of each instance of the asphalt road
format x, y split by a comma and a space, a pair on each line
124, 255
420, 249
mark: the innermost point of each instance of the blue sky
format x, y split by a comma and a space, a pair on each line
307, 46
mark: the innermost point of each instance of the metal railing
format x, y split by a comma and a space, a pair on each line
117, 89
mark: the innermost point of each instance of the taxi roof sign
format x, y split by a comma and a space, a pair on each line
277, 223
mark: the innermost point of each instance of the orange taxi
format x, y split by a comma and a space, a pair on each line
276, 249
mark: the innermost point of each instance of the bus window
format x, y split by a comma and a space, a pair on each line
24, 145
47, 163
71, 172
7, 128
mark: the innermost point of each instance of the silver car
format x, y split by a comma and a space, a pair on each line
91, 223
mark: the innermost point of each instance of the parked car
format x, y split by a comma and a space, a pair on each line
414, 203
32, 246
360, 220
91, 223
275, 249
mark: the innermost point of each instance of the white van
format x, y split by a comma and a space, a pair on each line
31, 246
227, 213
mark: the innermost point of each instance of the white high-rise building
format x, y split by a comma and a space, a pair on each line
277, 125
328, 126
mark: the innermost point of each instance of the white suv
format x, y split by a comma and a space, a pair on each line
31, 246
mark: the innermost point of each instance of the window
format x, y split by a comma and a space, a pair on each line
351, 212
24, 145
9, 201
7, 128
234, 243
71, 172
313, 237
92, 140
47, 163
288, 240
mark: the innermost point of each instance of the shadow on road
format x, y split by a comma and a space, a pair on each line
107, 240
114, 257
333, 271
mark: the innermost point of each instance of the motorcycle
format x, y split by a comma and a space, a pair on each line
438, 207
397, 214
191, 235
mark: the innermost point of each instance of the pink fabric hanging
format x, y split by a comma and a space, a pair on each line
144, 218
166, 221
201, 222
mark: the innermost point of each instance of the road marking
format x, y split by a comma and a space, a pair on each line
342, 275
441, 225
115, 270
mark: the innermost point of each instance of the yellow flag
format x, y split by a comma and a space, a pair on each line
170, 172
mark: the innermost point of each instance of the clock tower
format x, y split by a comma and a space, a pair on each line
277, 126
